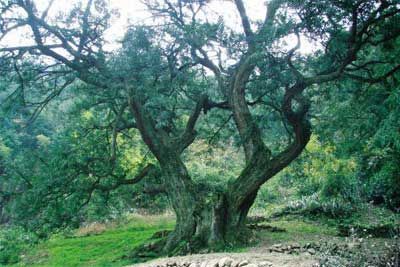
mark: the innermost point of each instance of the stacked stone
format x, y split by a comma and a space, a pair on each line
224, 262
295, 248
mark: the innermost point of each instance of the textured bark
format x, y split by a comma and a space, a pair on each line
209, 223
200, 216
182, 195
3, 217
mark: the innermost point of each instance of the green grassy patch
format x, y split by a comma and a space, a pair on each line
306, 228
109, 244
103, 249
297, 229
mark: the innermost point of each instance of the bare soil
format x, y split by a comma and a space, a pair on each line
276, 259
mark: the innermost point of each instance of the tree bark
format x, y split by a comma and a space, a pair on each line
208, 223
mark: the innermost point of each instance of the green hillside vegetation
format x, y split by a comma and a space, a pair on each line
96, 244
111, 244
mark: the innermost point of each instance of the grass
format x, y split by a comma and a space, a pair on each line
106, 245
318, 229
106, 248
297, 230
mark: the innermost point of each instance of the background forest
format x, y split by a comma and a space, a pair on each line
69, 150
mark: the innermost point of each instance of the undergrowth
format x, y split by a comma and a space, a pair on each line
108, 245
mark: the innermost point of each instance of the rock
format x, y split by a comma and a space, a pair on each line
225, 262
311, 251
203, 264
212, 263
243, 263
279, 250
235, 263
295, 245
265, 264
194, 264
251, 265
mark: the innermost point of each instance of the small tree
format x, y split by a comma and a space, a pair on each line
188, 61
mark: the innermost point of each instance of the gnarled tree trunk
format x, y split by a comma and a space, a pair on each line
213, 218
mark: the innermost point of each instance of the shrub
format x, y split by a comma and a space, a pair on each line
385, 182
340, 185
387, 229
13, 242
314, 205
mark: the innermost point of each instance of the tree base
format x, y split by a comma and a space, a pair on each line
157, 247
148, 251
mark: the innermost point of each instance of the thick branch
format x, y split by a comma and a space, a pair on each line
115, 131
291, 52
248, 130
272, 7
146, 127
358, 38
261, 168
190, 134
205, 104
41, 29
142, 174
28, 48
373, 79
245, 22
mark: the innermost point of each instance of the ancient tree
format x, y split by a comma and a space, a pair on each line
255, 69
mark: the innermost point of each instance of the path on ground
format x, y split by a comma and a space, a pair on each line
246, 259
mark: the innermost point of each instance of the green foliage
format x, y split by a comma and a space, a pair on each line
385, 182
370, 137
327, 173
315, 206
213, 165
381, 230
320, 181
13, 242
50, 172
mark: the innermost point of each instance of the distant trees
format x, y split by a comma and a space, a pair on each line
164, 80
365, 127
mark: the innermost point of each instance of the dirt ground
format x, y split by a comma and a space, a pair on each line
259, 258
